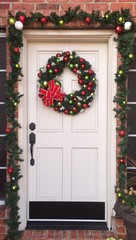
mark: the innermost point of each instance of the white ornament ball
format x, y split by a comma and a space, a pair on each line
127, 25
18, 25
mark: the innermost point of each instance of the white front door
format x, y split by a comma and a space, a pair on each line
69, 174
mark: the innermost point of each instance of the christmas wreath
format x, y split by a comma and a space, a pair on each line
50, 88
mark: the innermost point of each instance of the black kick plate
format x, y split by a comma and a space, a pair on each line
66, 225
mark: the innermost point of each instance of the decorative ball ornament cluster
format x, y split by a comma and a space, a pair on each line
50, 88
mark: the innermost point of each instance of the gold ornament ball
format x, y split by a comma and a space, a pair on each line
45, 83
131, 55
119, 195
14, 187
11, 21
121, 19
120, 72
124, 102
17, 65
78, 104
15, 104
61, 22
106, 16
59, 104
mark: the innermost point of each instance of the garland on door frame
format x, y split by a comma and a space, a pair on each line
122, 23
50, 88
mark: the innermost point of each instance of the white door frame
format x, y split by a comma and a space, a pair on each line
56, 35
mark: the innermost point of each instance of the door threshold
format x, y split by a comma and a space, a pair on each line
61, 225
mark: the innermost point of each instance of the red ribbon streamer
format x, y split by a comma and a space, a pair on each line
52, 93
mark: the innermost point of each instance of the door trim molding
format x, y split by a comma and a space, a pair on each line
56, 35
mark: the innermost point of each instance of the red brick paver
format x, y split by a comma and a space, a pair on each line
66, 235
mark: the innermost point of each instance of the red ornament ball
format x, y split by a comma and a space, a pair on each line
56, 70
39, 74
58, 55
66, 111
74, 109
7, 130
84, 105
75, 70
90, 72
118, 29
21, 18
79, 76
83, 66
81, 60
88, 20
67, 53
80, 81
56, 109
16, 50
10, 170
43, 20
89, 89
83, 93
48, 66
122, 161
122, 133
90, 84
65, 59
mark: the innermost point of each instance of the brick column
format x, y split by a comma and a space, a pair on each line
119, 228
3, 227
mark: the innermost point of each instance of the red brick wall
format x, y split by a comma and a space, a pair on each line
59, 6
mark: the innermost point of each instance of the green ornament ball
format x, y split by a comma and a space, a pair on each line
71, 65
107, 16
86, 77
50, 71
71, 56
58, 83
71, 112
70, 102
57, 60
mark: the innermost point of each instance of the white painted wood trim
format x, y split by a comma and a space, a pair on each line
91, 35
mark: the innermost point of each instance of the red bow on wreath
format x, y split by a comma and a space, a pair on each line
52, 93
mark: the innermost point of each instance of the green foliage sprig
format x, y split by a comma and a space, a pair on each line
122, 23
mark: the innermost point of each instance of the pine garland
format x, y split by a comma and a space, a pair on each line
122, 23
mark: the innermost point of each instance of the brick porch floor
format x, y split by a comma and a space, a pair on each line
66, 235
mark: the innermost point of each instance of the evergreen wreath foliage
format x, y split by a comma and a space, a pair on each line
50, 87
122, 23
